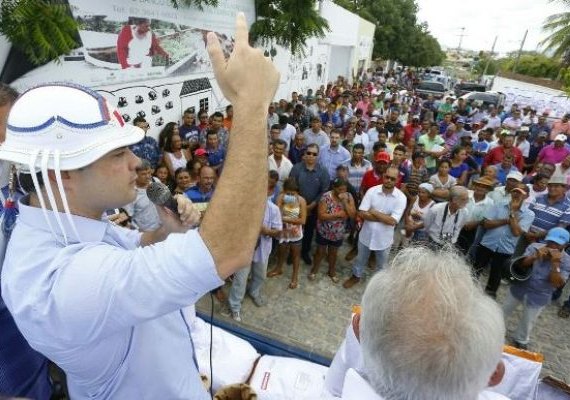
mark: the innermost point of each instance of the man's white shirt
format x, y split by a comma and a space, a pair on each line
377, 235
284, 169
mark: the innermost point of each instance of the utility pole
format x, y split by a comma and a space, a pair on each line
519, 53
490, 56
461, 35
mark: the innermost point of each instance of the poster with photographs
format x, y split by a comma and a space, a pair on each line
135, 40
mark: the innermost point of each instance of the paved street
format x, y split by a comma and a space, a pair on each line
315, 315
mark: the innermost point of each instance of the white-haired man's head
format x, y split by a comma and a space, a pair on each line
427, 330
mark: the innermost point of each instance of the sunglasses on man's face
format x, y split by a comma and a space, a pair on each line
310, 153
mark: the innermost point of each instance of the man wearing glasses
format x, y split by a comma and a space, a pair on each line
313, 181
146, 149
381, 209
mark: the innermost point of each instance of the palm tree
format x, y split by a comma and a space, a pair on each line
558, 25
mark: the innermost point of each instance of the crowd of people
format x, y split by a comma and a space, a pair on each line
370, 162
378, 164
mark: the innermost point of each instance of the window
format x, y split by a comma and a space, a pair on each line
204, 104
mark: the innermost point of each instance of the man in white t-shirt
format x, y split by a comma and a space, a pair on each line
278, 162
563, 168
288, 131
381, 209
493, 120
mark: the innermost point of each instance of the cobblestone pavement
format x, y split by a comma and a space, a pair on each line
315, 316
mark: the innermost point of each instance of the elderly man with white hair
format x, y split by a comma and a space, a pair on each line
427, 331
444, 221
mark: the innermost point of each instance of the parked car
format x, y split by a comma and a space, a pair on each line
464, 88
486, 98
425, 88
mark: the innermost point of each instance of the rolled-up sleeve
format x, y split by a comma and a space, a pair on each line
100, 289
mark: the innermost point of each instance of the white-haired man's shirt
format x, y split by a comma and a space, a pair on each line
357, 388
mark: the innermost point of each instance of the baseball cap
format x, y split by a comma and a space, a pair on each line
382, 157
200, 152
558, 179
560, 137
69, 125
543, 133
426, 186
460, 120
515, 175
373, 119
557, 235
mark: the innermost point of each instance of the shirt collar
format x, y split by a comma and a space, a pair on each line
356, 387
89, 230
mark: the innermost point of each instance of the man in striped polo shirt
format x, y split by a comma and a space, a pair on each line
551, 210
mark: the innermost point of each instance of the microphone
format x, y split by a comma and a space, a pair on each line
159, 194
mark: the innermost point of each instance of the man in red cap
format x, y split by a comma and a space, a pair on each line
376, 175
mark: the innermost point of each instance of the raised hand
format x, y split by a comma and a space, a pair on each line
246, 68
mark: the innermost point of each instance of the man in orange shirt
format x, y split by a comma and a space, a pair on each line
229, 117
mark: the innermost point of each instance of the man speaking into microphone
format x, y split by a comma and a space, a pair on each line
101, 301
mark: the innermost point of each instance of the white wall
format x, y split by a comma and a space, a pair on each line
340, 62
342, 23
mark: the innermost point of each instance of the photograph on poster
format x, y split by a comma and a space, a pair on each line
141, 43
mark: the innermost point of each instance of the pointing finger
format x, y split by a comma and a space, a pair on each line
216, 54
242, 35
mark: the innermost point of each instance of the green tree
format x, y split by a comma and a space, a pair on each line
289, 23
42, 30
484, 58
558, 41
534, 64
423, 50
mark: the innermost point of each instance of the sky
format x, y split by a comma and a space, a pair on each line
485, 19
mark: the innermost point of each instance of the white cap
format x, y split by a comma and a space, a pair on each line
515, 175
560, 137
70, 123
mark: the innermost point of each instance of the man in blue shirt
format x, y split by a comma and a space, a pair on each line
550, 269
204, 190
103, 302
504, 223
147, 148
332, 155
313, 181
504, 168
189, 131
551, 210
215, 150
